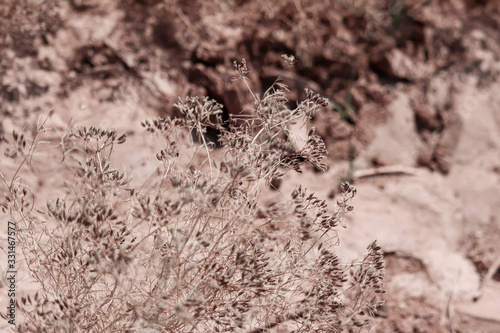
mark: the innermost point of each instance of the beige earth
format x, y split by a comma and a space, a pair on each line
414, 121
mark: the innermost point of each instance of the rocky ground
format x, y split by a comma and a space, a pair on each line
414, 118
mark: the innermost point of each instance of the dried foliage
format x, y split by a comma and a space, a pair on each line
194, 249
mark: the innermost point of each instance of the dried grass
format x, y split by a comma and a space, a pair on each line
193, 250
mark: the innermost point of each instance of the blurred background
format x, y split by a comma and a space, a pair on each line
413, 120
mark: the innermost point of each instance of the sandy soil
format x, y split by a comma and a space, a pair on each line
414, 121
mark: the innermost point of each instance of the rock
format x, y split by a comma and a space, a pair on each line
395, 142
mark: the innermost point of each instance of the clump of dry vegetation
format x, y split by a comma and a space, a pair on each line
193, 249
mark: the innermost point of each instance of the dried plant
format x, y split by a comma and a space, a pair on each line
194, 249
